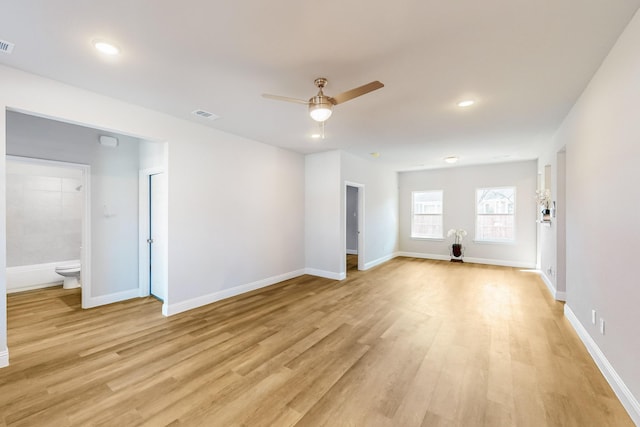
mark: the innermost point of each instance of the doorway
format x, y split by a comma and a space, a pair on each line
354, 227
153, 234
48, 219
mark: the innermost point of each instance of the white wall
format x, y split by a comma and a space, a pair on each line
602, 135
327, 175
380, 208
236, 206
459, 185
323, 248
114, 192
236, 217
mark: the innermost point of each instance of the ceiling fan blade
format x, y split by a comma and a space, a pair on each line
285, 98
354, 93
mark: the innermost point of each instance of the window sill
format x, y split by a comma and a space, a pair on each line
429, 239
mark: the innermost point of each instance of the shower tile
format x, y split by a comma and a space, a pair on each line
43, 183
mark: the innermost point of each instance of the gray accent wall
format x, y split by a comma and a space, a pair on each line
114, 191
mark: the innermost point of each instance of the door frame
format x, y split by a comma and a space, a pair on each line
361, 228
144, 212
85, 232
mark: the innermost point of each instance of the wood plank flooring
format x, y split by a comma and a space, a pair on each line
409, 343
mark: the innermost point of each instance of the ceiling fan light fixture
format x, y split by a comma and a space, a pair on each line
320, 108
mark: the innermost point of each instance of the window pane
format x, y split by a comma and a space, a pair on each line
495, 227
495, 219
496, 200
427, 226
426, 218
427, 202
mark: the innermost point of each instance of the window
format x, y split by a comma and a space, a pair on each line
495, 214
426, 214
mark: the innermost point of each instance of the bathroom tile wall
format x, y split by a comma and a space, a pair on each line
43, 217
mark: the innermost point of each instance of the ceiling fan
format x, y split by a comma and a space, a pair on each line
320, 105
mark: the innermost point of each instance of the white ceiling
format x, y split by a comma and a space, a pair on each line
524, 62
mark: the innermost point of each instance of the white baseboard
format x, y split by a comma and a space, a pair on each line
499, 262
36, 276
111, 298
625, 396
34, 287
4, 358
171, 309
422, 255
379, 261
326, 274
352, 252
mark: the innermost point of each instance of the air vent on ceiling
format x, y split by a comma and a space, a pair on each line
6, 47
205, 114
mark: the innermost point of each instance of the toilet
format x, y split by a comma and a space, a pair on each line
71, 274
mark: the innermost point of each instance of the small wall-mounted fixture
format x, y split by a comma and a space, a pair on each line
108, 141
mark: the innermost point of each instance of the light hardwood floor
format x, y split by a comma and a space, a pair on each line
409, 343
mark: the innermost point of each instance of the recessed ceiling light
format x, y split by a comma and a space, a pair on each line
106, 48
466, 103
316, 136
451, 159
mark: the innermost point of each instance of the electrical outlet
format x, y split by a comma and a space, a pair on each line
593, 317
602, 326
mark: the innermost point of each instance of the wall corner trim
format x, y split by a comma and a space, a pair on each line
621, 390
171, 309
4, 358
558, 296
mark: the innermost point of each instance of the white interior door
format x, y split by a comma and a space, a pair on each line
158, 235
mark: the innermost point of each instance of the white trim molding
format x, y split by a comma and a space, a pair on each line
621, 390
422, 255
4, 358
379, 261
171, 309
111, 298
440, 257
352, 252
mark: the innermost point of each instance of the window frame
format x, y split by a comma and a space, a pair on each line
413, 215
513, 215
